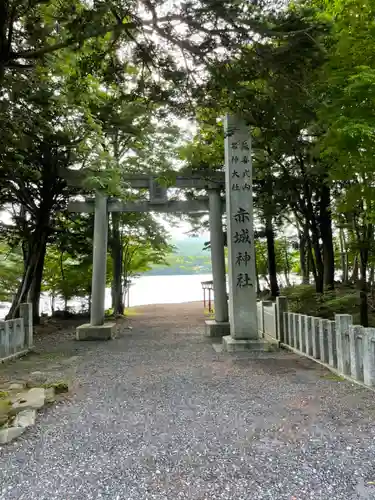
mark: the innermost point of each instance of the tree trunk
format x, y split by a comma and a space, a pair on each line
372, 275
355, 272
311, 223
26, 283
304, 256
257, 276
343, 257
311, 259
36, 286
363, 256
117, 293
325, 226
33, 271
272, 270
363, 308
319, 266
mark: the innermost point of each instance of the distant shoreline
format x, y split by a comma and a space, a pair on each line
186, 273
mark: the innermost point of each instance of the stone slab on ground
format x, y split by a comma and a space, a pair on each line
102, 332
16, 386
159, 414
33, 399
9, 434
49, 394
25, 418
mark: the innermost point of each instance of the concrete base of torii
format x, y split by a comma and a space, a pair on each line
99, 332
238, 345
216, 329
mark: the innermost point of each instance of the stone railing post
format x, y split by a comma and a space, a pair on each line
281, 308
2, 340
356, 351
296, 331
302, 333
323, 340
265, 303
331, 334
26, 313
8, 338
316, 337
260, 318
343, 322
369, 356
291, 329
275, 322
285, 327
309, 332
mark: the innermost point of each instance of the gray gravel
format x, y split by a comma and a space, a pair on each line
160, 415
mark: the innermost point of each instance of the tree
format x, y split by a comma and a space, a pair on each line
347, 111
48, 137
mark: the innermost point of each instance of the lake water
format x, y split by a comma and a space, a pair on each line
145, 290
166, 289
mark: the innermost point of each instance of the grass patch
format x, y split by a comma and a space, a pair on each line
60, 387
131, 312
333, 376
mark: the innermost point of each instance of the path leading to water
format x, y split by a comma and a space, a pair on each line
160, 415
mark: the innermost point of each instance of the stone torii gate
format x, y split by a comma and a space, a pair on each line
242, 326
158, 202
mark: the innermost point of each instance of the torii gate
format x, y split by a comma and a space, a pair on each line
242, 324
158, 202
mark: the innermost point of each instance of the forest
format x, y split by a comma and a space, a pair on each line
106, 88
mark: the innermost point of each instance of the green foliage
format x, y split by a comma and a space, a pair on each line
286, 258
66, 277
11, 267
344, 300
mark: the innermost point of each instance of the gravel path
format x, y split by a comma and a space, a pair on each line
158, 414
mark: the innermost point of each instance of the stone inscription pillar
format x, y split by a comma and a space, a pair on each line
241, 248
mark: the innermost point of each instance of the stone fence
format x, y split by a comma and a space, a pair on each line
16, 335
346, 348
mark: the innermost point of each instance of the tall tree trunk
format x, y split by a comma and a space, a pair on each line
257, 276
372, 275
27, 280
287, 264
116, 247
343, 257
304, 256
272, 270
363, 308
355, 272
311, 259
311, 223
33, 270
36, 286
318, 261
325, 226
366, 244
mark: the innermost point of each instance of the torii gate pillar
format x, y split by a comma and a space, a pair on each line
97, 329
219, 326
